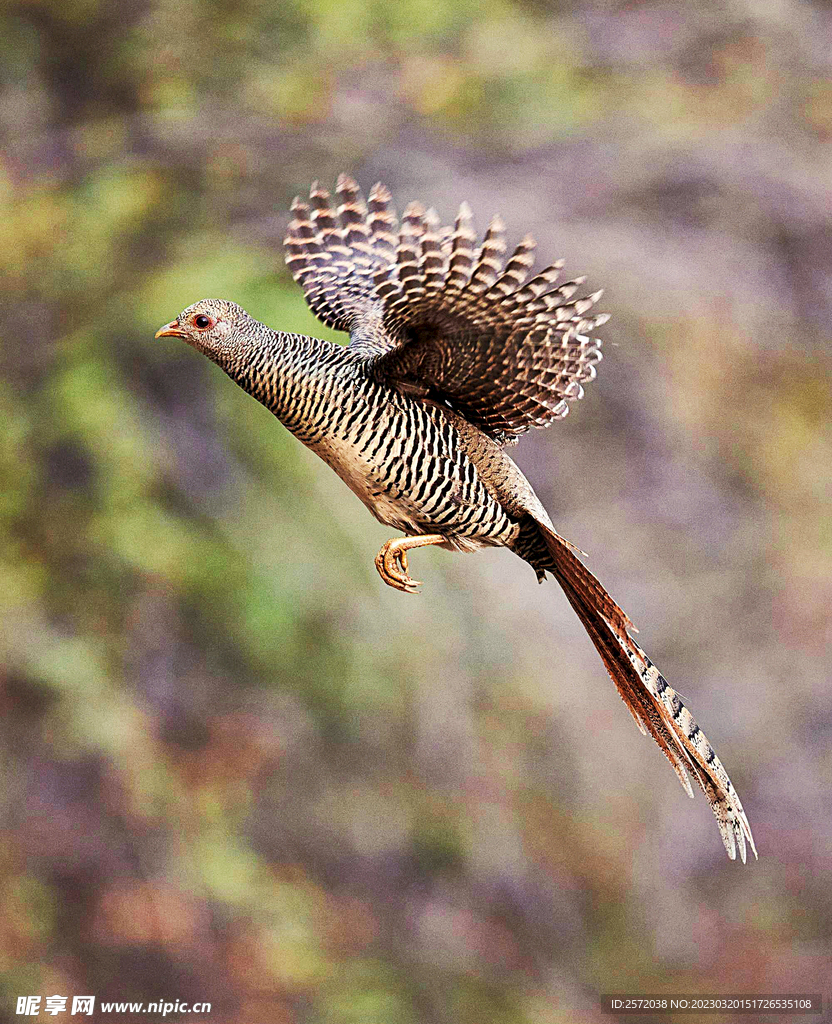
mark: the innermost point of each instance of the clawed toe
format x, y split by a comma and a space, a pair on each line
393, 574
391, 561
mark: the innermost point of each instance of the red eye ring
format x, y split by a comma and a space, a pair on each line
202, 321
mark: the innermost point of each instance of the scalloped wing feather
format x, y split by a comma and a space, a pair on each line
440, 313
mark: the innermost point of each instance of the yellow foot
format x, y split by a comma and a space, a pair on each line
391, 561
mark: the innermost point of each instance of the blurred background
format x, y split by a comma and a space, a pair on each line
236, 767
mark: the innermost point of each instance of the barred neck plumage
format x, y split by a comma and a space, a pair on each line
303, 380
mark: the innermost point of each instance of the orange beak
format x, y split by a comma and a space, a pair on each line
171, 330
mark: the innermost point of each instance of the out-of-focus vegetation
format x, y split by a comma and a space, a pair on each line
237, 768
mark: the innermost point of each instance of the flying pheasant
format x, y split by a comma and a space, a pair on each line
452, 355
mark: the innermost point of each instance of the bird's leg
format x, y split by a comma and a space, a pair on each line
396, 551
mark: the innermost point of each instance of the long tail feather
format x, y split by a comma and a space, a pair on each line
653, 703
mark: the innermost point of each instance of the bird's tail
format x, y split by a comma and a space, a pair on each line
653, 703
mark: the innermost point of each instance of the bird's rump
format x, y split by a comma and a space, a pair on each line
440, 314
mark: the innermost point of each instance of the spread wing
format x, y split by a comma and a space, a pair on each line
442, 315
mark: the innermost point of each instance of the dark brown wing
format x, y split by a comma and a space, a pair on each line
442, 315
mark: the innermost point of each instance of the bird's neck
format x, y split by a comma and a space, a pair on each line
298, 378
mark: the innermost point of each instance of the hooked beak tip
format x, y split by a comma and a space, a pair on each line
171, 330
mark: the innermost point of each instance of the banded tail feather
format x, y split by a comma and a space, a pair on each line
656, 707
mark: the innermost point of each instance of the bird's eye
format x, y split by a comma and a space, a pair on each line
202, 321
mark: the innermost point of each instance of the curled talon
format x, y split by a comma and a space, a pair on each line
391, 561
395, 575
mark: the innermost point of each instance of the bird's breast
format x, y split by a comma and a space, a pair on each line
403, 458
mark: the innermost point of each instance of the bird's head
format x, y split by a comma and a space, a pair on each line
216, 327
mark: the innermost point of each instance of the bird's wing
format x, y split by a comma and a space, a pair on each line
440, 314
335, 253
